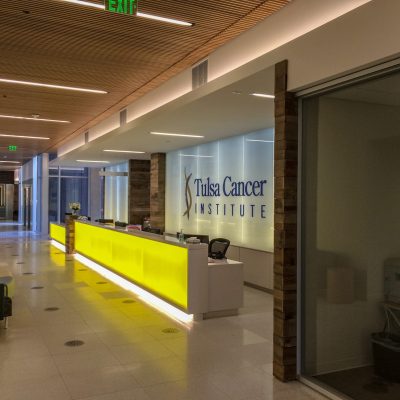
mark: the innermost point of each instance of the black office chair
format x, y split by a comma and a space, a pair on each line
121, 224
5, 304
157, 231
218, 247
203, 238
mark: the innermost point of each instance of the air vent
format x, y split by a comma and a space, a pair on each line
200, 75
87, 137
122, 117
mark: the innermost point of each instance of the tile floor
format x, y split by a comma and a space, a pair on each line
125, 355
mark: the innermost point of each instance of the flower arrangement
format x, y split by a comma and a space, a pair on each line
75, 207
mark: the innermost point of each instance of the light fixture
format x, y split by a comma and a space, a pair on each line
46, 85
24, 137
94, 161
143, 295
34, 119
264, 95
195, 155
58, 245
10, 162
124, 151
85, 3
163, 19
259, 140
176, 134
138, 14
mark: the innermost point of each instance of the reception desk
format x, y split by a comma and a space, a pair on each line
178, 273
57, 232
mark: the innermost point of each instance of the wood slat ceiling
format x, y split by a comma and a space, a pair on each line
51, 41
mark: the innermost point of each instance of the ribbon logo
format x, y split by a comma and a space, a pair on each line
188, 195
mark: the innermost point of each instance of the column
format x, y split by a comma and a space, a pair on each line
157, 190
138, 191
285, 234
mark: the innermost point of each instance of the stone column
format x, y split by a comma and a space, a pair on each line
157, 190
138, 191
70, 234
285, 234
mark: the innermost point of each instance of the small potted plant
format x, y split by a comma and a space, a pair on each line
75, 207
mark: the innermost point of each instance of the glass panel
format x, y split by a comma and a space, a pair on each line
74, 172
116, 194
224, 189
53, 199
350, 246
73, 190
53, 171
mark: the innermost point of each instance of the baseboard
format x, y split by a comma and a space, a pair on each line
258, 287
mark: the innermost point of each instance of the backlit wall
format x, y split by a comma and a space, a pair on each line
224, 189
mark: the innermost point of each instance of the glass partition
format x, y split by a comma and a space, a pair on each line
350, 239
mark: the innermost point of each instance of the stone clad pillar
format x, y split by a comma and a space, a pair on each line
285, 233
138, 191
70, 234
157, 190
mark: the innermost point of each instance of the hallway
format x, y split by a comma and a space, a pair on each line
127, 349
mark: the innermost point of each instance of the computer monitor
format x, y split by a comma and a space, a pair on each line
203, 238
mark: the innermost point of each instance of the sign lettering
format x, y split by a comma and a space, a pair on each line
128, 7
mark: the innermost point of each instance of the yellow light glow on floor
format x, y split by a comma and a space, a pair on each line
143, 295
58, 245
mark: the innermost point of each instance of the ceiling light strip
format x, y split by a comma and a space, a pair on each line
176, 134
24, 137
10, 162
264, 95
34, 119
259, 140
124, 151
138, 14
85, 3
51, 86
93, 161
164, 19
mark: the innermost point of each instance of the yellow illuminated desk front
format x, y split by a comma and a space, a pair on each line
173, 271
57, 232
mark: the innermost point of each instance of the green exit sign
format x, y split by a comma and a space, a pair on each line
12, 148
128, 7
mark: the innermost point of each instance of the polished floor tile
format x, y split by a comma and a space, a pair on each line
128, 350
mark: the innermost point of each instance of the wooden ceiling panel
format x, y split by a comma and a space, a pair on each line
52, 41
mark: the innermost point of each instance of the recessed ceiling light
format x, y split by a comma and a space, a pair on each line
125, 151
138, 14
24, 137
176, 134
46, 85
10, 162
34, 119
265, 95
94, 161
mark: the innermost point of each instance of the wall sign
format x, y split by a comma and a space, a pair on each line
128, 7
12, 148
224, 189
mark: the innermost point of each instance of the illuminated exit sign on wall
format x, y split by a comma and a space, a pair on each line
12, 148
128, 7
